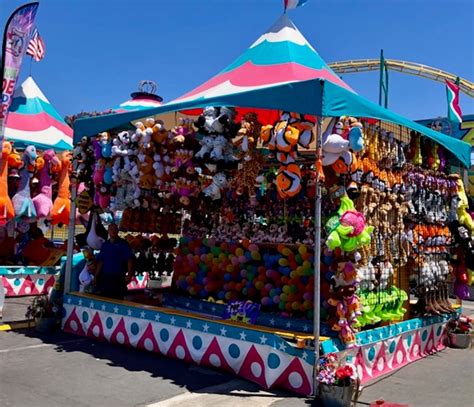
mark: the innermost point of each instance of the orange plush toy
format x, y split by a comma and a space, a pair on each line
62, 203
9, 158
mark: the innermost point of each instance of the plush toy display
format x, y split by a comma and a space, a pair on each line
62, 203
43, 201
22, 202
12, 159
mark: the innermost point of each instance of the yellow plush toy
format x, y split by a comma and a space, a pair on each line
463, 215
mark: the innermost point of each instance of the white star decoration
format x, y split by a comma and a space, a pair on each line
200, 306
205, 328
69, 300
243, 336
399, 329
305, 328
370, 338
91, 304
213, 309
282, 346
188, 304
142, 314
116, 310
263, 339
129, 312
304, 356
272, 322
408, 326
173, 320
288, 324
79, 302
188, 324
223, 331
157, 317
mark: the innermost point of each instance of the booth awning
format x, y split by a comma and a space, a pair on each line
280, 71
33, 120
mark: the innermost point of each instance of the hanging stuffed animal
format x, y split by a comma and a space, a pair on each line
62, 203
213, 191
22, 202
12, 159
348, 229
43, 201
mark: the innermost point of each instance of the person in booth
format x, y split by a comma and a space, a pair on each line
115, 267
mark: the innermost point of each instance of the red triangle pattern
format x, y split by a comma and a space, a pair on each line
214, 350
9, 291
180, 341
120, 329
148, 334
96, 325
78, 324
49, 283
294, 378
28, 287
257, 374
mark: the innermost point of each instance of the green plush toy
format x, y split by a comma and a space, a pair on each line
347, 230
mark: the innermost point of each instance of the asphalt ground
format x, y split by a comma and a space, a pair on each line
63, 370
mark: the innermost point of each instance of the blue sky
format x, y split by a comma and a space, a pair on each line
98, 50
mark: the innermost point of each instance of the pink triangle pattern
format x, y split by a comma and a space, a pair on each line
253, 368
415, 351
440, 334
148, 341
429, 346
179, 349
362, 367
294, 378
391, 343
120, 334
214, 357
96, 329
73, 324
380, 364
400, 355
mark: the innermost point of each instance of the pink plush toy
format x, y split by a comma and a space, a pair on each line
43, 201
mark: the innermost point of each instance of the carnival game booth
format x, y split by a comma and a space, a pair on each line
34, 192
279, 243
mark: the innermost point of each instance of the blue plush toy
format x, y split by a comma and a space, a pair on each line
356, 139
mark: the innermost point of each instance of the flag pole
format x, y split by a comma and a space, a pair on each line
317, 259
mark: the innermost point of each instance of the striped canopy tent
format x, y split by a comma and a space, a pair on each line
139, 101
281, 55
32, 120
280, 71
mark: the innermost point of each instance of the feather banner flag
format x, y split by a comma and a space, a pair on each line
292, 4
454, 111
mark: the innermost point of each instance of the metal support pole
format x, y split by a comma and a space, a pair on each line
317, 261
70, 237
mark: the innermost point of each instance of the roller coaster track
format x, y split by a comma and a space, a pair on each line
410, 68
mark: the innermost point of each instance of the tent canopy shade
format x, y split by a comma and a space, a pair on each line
316, 97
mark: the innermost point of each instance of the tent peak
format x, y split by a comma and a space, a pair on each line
283, 29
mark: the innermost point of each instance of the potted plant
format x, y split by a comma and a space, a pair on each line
44, 312
459, 332
337, 381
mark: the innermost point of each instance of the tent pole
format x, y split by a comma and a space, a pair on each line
70, 237
317, 259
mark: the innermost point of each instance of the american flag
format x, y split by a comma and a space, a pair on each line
36, 47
